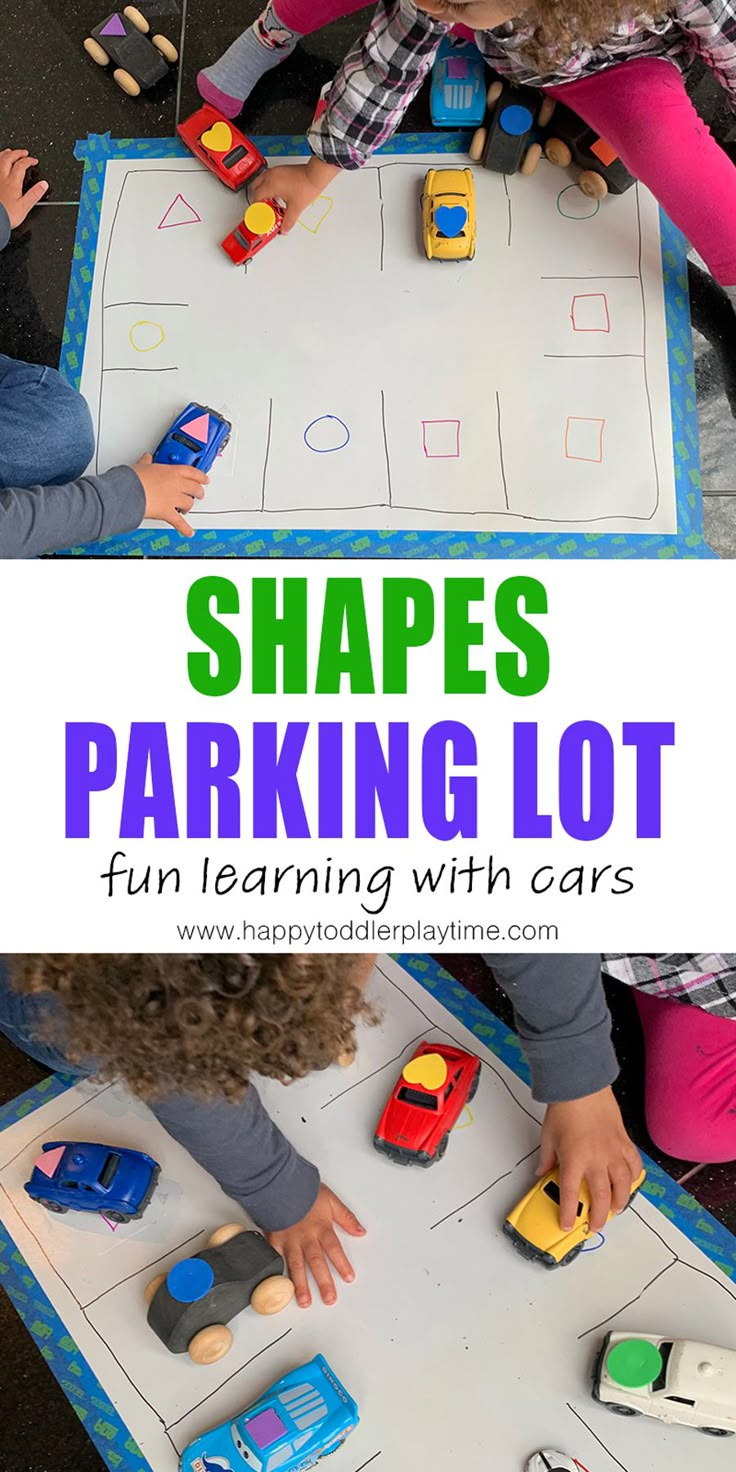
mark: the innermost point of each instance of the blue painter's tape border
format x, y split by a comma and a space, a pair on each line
689, 542
78, 1381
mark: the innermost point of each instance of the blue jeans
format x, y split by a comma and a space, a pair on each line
46, 435
22, 1016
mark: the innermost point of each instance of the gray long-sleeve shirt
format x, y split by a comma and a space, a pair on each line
39, 519
565, 1030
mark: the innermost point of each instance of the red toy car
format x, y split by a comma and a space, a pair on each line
426, 1103
261, 222
222, 149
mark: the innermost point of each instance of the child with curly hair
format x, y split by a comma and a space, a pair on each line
186, 1032
617, 67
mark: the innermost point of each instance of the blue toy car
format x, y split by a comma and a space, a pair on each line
108, 1179
195, 438
302, 1417
457, 97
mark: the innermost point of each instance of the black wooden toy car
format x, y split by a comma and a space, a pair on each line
190, 1306
571, 141
508, 141
123, 39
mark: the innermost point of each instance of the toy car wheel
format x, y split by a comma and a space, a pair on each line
531, 158
621, 1410
225, 1234
96, 51
546, 111
117, 1216
558, 153
132, 14
210, 1344
442, 1147
167, 49
474, 1087
54, 1206
477, 144
593, 185
715, 1431
570, 1256
151, 1289
273, 1294
492, 95
126, 82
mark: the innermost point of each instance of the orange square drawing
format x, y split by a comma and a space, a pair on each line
584, 439
604, 152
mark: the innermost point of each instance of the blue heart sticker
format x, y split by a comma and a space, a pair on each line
450, 219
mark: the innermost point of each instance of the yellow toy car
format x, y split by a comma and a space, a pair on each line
534, 1225
448, 215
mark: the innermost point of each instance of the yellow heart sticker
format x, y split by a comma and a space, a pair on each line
260, 217
430, 1070
218, 138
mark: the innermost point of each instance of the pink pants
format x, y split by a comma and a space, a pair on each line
690, 1079
642, 109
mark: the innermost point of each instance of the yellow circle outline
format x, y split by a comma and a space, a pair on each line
145, 322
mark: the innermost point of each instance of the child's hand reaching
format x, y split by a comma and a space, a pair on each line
297, 185
14, 165
313, 1243
169, 491
588, 1140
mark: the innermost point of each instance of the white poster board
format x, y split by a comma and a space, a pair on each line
527, 390
459, 1353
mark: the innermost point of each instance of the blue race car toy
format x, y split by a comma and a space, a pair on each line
108, 1179
457, 96
302, 1417
195, 438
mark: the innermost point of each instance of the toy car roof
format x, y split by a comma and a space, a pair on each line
82, 1160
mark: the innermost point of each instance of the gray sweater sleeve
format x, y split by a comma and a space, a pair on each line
562, 1019
51, 518
246, 1153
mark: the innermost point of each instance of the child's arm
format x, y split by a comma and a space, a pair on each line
257, 1166
39, 519
711, 26
565, 1028
364, 106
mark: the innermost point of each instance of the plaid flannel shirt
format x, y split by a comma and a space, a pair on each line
386, 68
704, 981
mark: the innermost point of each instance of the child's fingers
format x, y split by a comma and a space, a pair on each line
599, 1185
340, 1262
570, 1178
298, 1274
317, 1264
19, 169
620, 1174
176, 520
10, 156
189, 472
35, 195
347, 1220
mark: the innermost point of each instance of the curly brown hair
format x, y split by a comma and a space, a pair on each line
200, 1024
562, 27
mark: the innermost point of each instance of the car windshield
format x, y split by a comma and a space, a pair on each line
413, 1096
107, 1174
665, 1350
233, 157
183, 439
248, 1456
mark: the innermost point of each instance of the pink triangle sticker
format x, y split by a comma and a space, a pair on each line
48, 1160
179, 213
198, 428
114, 27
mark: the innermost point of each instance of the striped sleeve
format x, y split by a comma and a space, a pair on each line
375, 84
711, 27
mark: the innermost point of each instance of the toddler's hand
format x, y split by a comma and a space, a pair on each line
14, 165
313, 1243
588, 1140
292, 185
169, 491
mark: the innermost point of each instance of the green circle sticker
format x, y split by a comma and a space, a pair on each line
633, 1363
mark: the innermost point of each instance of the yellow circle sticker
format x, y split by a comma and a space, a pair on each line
260, 217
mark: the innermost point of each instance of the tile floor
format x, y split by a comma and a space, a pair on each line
52, 95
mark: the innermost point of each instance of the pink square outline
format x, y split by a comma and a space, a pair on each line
587, 295
585, 419
454, 454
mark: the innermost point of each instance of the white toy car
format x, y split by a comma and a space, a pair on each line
553, 1462
676, 1380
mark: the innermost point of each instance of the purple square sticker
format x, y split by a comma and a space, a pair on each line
265, 1428
457, 68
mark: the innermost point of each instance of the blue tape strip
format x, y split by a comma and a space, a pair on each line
79, 1382
689, 542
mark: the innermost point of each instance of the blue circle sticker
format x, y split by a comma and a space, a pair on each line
516, 120
190, 1280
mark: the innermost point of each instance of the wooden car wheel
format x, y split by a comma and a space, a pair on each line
210, 1344
546, 111
273, 1294
127, 83
493, 94
132, 14
477, 144
531, 158
151, 1289
593, 185
96, 51
558, 153
167, 49
225, 1234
